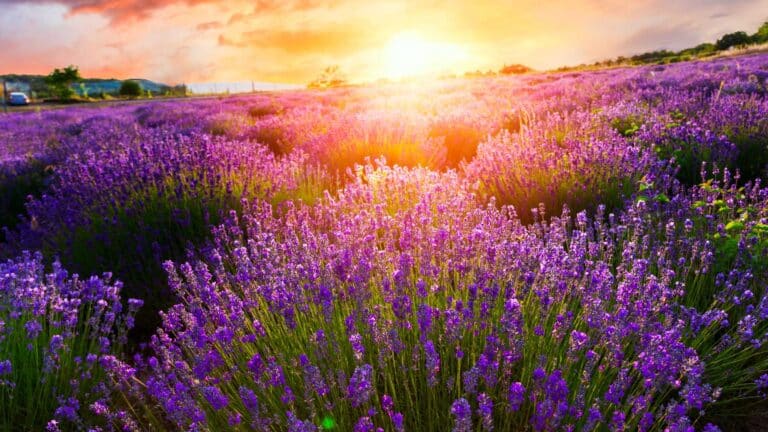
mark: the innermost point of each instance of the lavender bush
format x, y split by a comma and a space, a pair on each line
56, 333
570, 251
443, 315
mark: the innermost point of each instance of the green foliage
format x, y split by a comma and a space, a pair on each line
627, 126
761, 36
752, 158
651, 57
732, 40
700, 50
56, 329
127, 242
130, 89
742, 243
15, 186
61, 81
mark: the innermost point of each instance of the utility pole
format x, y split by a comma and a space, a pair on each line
5, 100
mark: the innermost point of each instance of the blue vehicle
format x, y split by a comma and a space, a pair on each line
18, 98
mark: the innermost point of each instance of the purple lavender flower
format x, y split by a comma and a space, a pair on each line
5, 367
364, 424
462, 416
432, 363
215, 397
578, 340
397, 422
761, 383
516, 395
485, 411
360, 386
357, 346
250, 400
297, 425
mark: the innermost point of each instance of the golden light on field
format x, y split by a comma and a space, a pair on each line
408, 54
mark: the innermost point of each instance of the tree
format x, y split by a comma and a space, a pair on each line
330, 77
61, 81
515, 69
762, 34
732, 39
130, 88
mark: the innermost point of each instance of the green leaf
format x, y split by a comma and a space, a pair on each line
762, 228
734, 226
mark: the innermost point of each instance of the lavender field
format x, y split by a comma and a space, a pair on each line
557, 251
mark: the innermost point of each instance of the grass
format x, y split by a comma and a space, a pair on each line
17, 184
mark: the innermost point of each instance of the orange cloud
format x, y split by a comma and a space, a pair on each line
119, 11
209, 25
338, 40
292, 40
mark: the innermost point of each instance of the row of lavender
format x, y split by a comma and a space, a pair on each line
324, 294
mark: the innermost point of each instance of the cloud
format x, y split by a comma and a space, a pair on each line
227, 42
291, 40
209, 25
336, 40
122, 11
119, 11
662, 36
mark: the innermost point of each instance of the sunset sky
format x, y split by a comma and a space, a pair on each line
290, 41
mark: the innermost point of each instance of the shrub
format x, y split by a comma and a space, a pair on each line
576, 323
688, 145
761, 36
18, 183
127, 209
56, 332
263, 110
130, 89
557, 163
732, 39
353, 140
460, 137
62, 79
515, 69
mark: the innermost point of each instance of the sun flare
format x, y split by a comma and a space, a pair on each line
408, 54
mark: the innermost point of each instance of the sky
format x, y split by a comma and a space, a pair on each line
292, 41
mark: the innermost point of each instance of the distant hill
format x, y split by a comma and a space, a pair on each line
724, 45
36, 86
112, 86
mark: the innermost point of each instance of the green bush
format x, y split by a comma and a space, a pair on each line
130, 88
16, 184
733, 39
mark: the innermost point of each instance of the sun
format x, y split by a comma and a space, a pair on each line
408, 54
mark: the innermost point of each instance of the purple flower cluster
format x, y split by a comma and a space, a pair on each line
549, 252
56, 331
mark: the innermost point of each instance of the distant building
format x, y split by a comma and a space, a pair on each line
18, 86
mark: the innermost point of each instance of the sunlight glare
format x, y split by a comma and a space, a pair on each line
408, 55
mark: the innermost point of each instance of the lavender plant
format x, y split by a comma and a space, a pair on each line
56, 333
561, 251
443, 316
